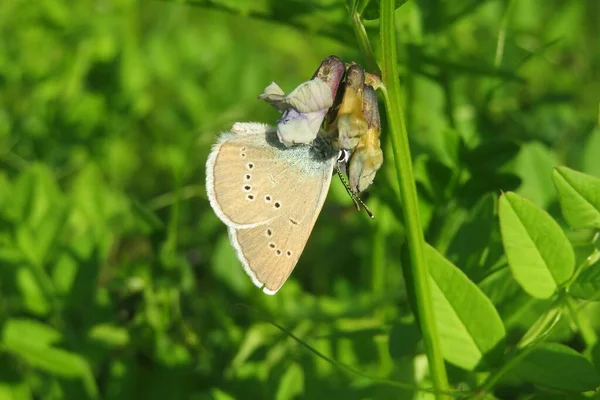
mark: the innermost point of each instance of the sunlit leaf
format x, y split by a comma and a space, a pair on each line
32, 343
29, 330
539, 253
110, 335
579, 196
460, 307
32, 295
11, 390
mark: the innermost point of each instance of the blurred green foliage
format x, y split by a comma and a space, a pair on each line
116, 278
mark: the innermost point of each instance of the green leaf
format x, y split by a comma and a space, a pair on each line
490, 156
538, 251
111, 335
591, 151
493, 182
533, 165
559, 367
32, 296
10, 390
469, 326
579, 197
291, 385
226, 266
542, 326
31, 341
37, 242
371, 11
35, 195
595, 356
470, 245
587, 284
218, 394
20, 329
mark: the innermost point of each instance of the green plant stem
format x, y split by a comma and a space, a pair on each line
518, 355
489, 384
589, 261
363, 43
408, 197
583, 325
378, 274
347, 369
502, 34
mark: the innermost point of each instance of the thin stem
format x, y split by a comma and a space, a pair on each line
408, 197
378, 275
518, 355
590, 260
502, 35
364, 43
349, 370
582, 324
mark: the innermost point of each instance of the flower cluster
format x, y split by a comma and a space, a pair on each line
353, 123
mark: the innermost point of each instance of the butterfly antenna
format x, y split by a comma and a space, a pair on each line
357, 201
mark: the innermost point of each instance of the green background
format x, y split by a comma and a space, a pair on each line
118, 281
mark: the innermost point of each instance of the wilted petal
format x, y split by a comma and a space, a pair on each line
305, 108
299, 128
350, 122
275, 96
367, 157
371, 108
311, 96
364, 164
350, 129
331, 71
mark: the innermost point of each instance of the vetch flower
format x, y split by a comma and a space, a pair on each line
306, 106
367, 156
350, 121
356, 128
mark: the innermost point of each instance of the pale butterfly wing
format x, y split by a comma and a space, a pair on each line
269, 196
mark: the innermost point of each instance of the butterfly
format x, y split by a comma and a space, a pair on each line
268, 183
